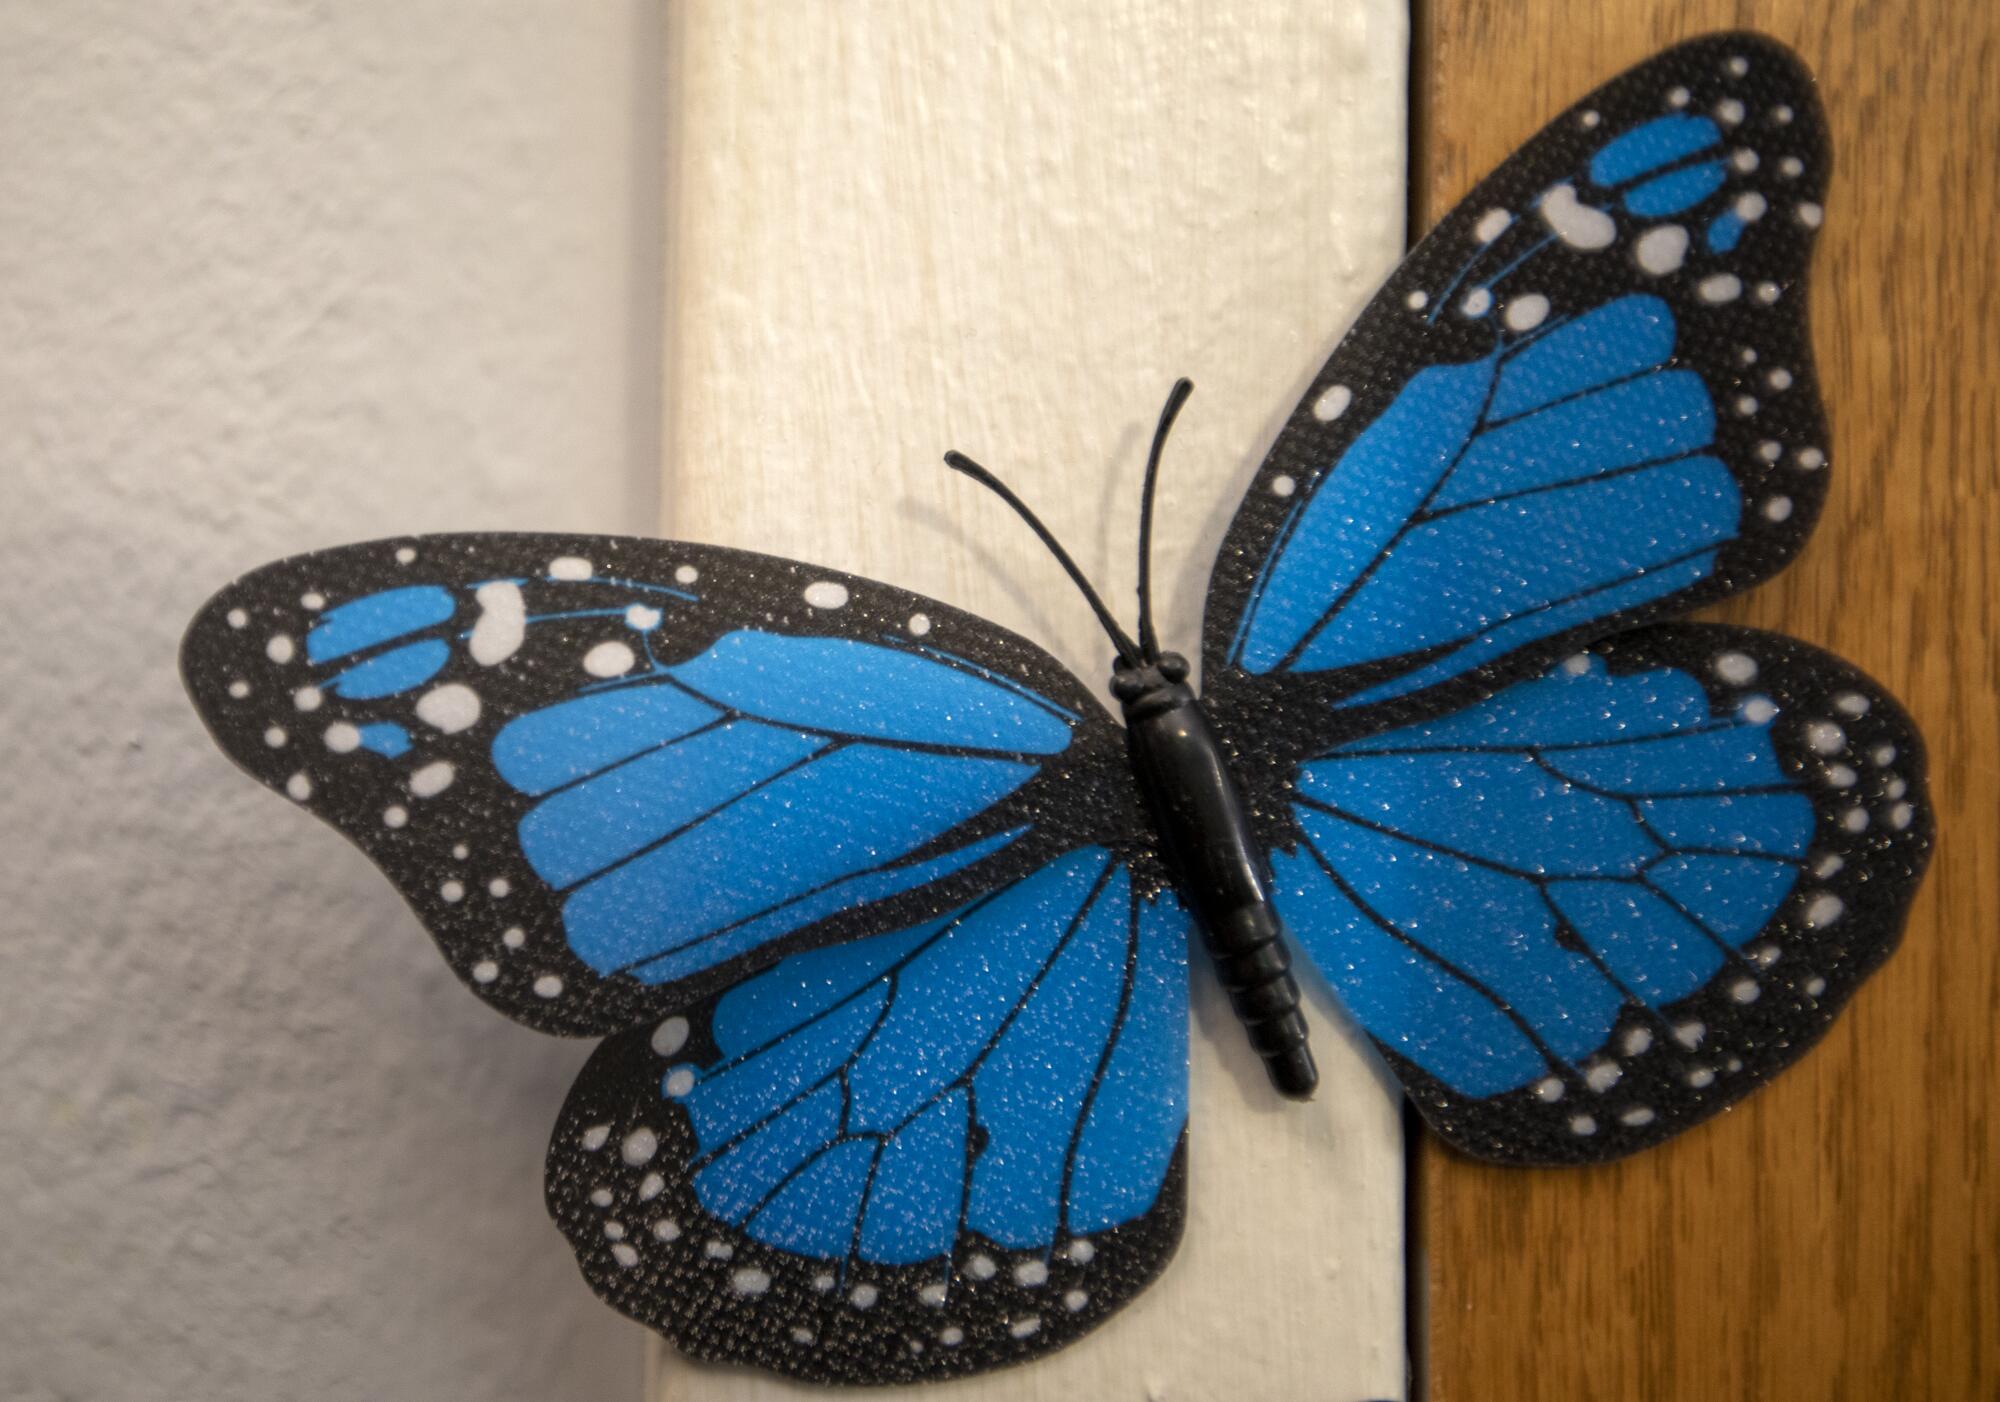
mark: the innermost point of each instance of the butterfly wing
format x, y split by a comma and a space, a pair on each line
926, 1153
1584, 401
1580, 899
1600, 905
613, 776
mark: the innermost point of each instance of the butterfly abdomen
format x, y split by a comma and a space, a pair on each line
1218, 864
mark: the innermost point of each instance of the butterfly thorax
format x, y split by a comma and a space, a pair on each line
1218, 864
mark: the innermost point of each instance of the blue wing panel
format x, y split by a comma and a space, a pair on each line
874, 692
812, 826
1501, 501
1382, 480
802, 750
572, 740
839, 1117
377, 618
1646, 148
1492, 890
391, 673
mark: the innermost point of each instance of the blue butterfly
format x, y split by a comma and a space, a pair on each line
884, 917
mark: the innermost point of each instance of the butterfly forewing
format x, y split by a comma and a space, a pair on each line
1586, 400
613, 775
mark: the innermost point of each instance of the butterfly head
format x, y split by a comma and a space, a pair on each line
1145, 683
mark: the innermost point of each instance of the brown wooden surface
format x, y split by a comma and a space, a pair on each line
1836, 1236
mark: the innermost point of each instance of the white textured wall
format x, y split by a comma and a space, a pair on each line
273, 276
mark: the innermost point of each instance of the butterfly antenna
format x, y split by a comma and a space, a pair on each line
1127, 649
1149, 641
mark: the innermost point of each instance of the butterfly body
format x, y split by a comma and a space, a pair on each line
884, 918
1219, 864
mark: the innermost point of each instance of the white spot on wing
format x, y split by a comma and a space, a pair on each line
570, 568
638, 1147
1332, 403
1736, 668
502, 622
1528, 312
1661, 249
610, 659
433, 779
450, 708
826, 594
1574, 222
1718, 288
1825, 737
1492, 224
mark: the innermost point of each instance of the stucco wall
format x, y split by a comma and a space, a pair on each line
272, 276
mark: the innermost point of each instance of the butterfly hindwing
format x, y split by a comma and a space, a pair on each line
926, 1153
1585, 401
614, 775
1602, 904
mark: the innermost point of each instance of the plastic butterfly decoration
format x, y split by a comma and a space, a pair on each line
884, 918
